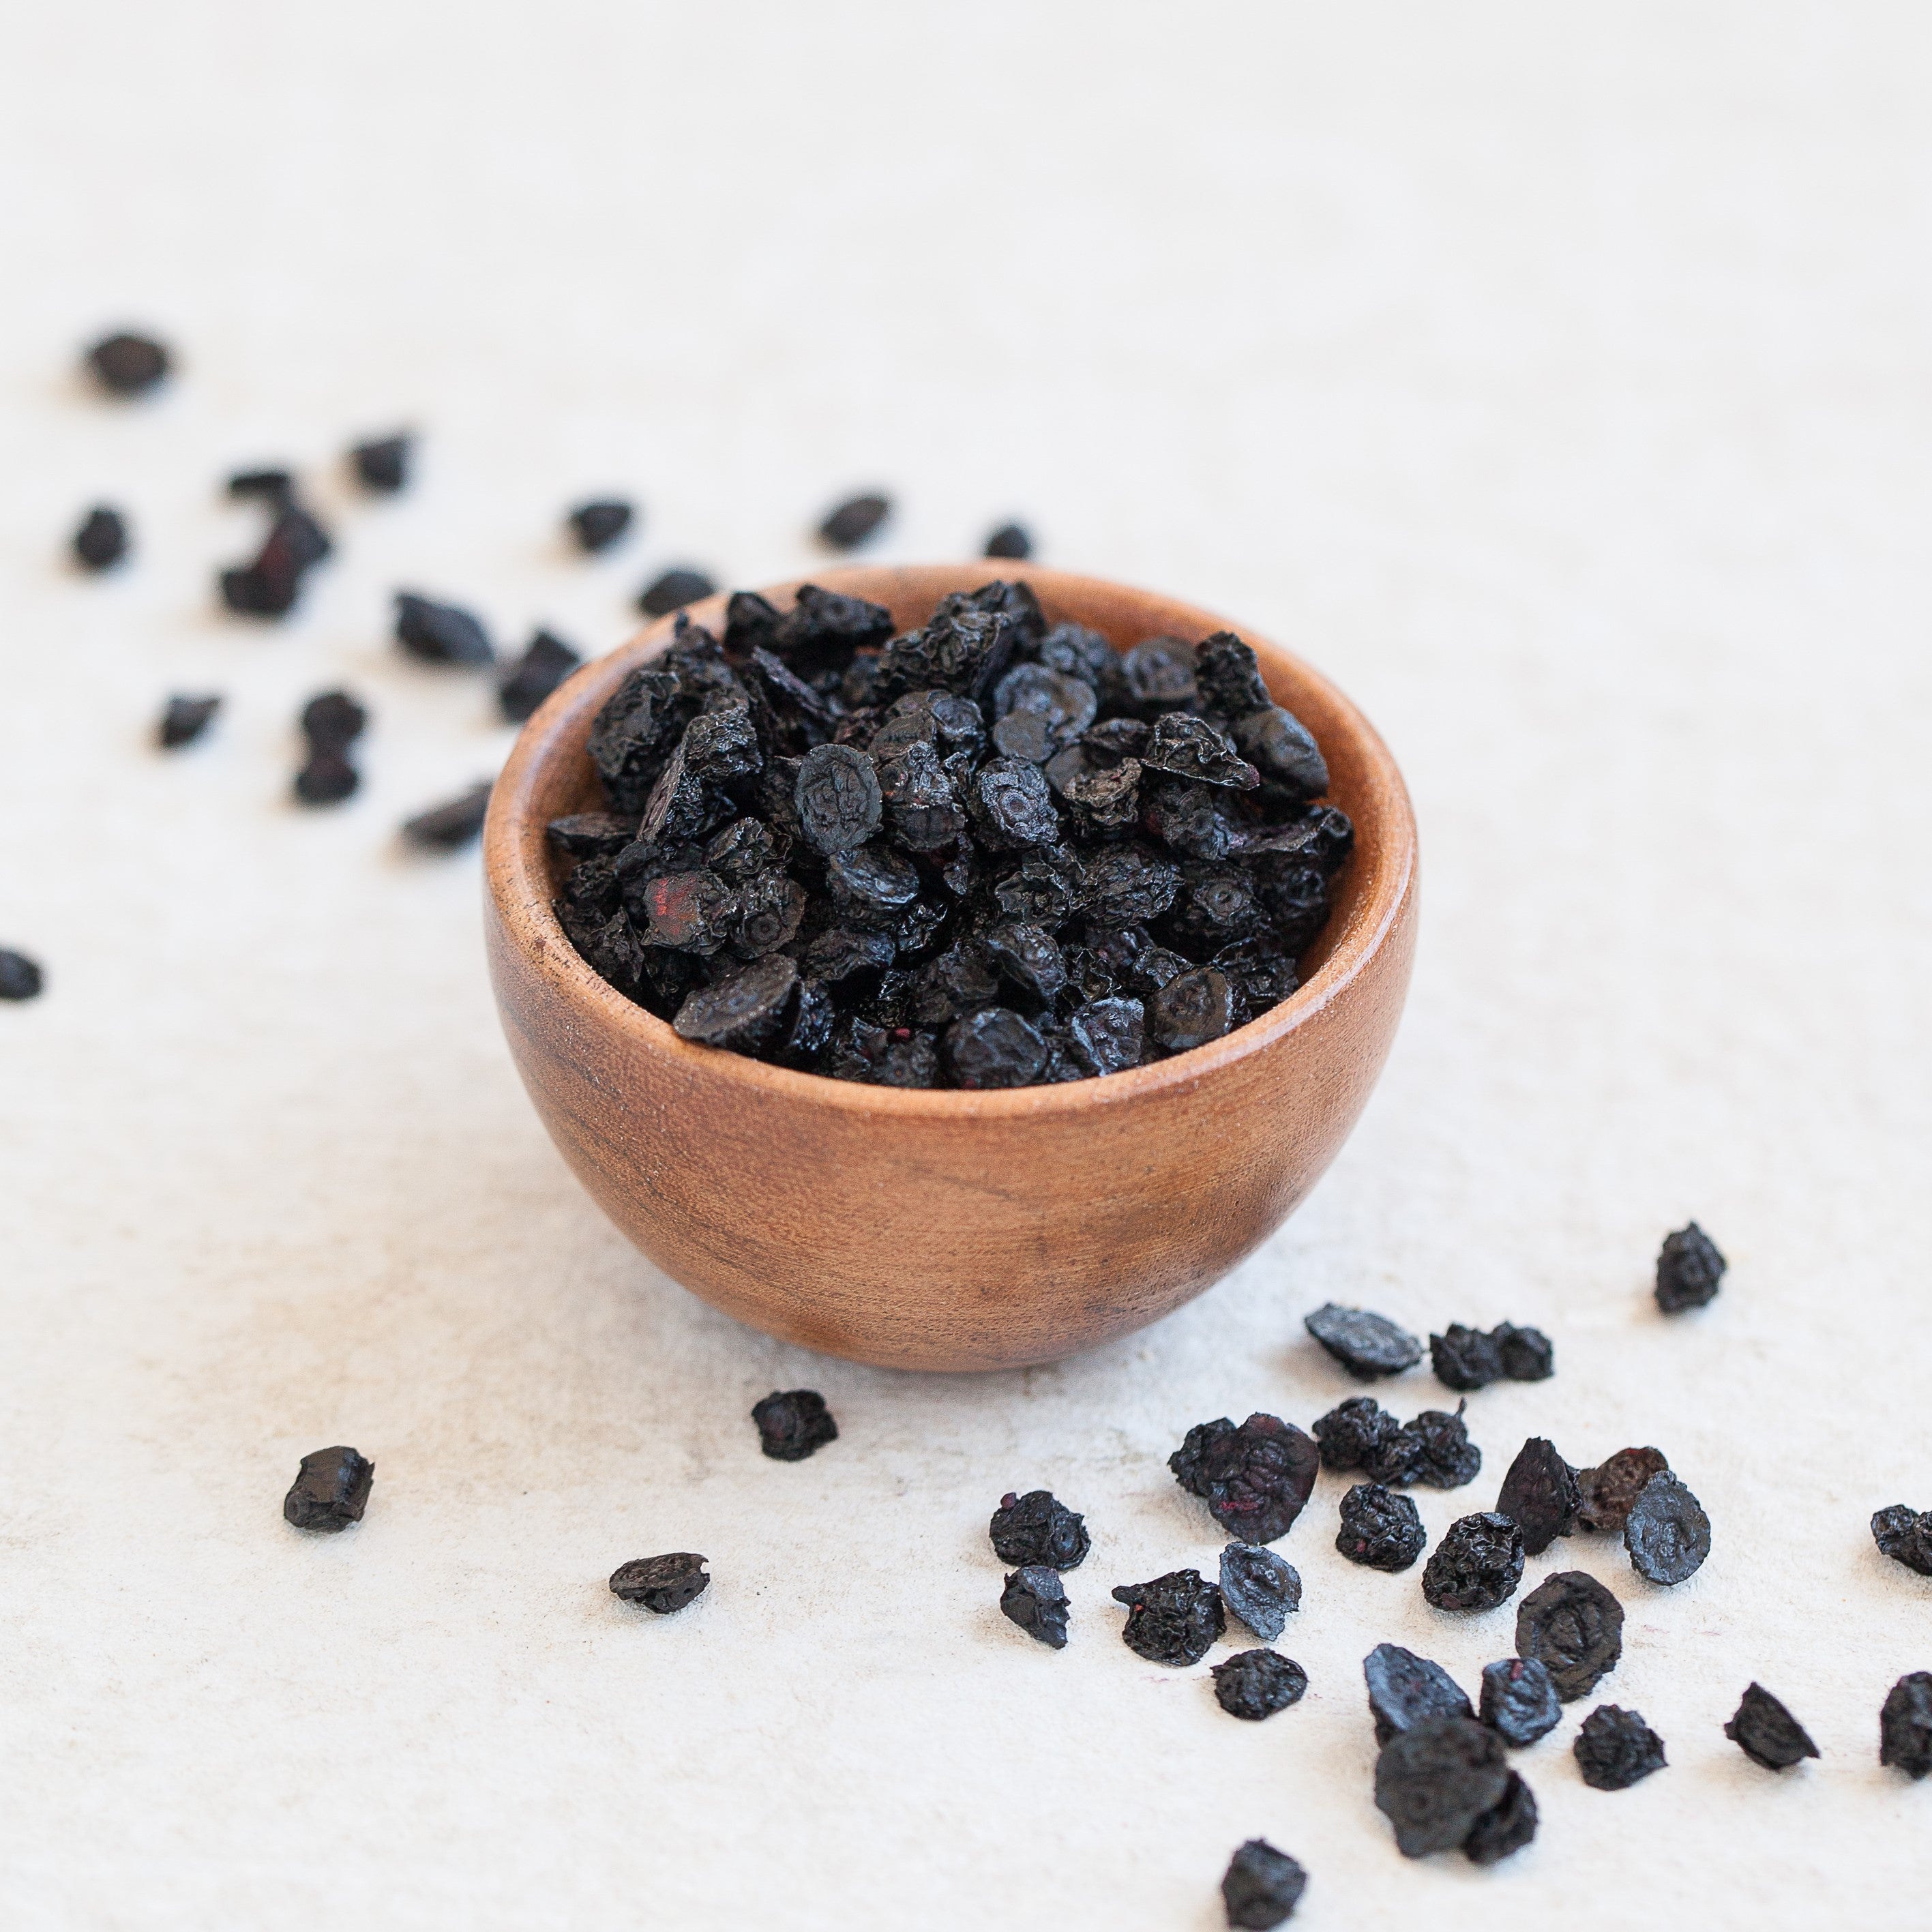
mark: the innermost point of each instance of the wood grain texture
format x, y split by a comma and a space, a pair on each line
941, 1230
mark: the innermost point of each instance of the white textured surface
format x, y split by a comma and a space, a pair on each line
1555, 376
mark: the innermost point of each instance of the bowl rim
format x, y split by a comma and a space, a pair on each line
517, 874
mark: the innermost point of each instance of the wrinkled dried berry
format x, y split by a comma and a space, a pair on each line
1905, 1535
1159, 674
446, 827
126, 364
1261, 1887
20, 977
1256, 1480
1255, 1683
590, 835
1405, 1690
673, 589
1174, 1620
546, 662
837, 798
331, 1492
848, 526
662, 1584
440, 633
1767, 1733
1037, 1527
994, 1048
1689, 1269
183, 719
793, 1424
1260, 1587
1191, 1009
1528, 1354
1477, 1564
1359, 1434
1367, 1346
101, 541
1539, 1493
1666, 1533
383, 463
1465, 1358
1508, 1826
1434, 1782
1380, 1529
1905, 1725
1011, 542
1606, 1493
597, 525
1519, 1702
1434, 1449
1036, 1599
1574, 1628
1615, 1748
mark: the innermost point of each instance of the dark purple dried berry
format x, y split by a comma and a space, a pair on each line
1540, 1493
440, 633
1108, 1036
1905, 1535
20, 977
1436, 1780
597, 525
1689, 1269
1256, 1480
332, 721
1359, 1434
1036, 1599
1666, 1533
1261, 1887
848, 526
1528, 1355
1574, 1628
327, 778
1191, 1009
1038, 1527
1010, 801
1255, 1683
1905, 1725
1229, 676
1519, 1702
1434, 1449
1767, 1733
837, 798
1506, 1828
331, 1492
1405, 1690
269, 585
101, 541
744, 1010
1367, 1346
1476, 1566
1184, 746
185, 718
1465, 1358
272, 487
1260, 1587
1283, 750
445, 828
1173, 1620
1607, 1492
994, 1048
127, 364
590, 835
662, 1584
1615, 1748
1009, 541
673, 589
1380, 1529
1029, 956
546, 662
793, 1424
383, 463
1159, 675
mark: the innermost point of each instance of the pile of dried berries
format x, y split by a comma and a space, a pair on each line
984, 852
1434, 1449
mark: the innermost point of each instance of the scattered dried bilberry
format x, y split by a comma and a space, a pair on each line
332, 1490
1905, 1535
662, 1584
793, 1424
1615, 1748
1666, 1533
1011, 542
1405, 1690
1260, 1587
1465, 1358
1361, 1434
1528, 1354
101, 541
1436, 1780
1767, 1733
1038, 1527
1174, 1619
1256, 1480
127, 364
1689, 1268
672, 590
848, 526
440, 633
1367, 1346
20, 977
1539, 1494
1518, 1700
1477, 1564
1606, 1493
1508, 1826
1434, 1450
383, 463
272, 487
1036, 1599
1255, 1683
268, 585
1261, 1887
183, 719
1380, 1529
327, 778
597, 525
546, 662
444, 828
1574, 1628
1905, 1725
332, 721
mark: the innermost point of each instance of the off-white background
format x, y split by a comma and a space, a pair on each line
1555, 376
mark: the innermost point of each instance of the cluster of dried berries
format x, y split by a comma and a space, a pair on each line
1469, 1359
20, 977
1043, 1537
330, 1491
1434, 1449
1689, 1268
984, 853
1905, 1535
793, 1424
1367, 1346
662, 1584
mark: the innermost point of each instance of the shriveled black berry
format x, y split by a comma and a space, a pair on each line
383, 463
1465, 1358
1905, 1725
127, 364
1528, 1355
1256, 1480
1036, 1599
272, 487
1009, 541
1380, 1529
332, 721
1574, 1627
1261, 1588
837, 798
1434, 1450
1905, 1535
1174, 1619
185, 718
1767, 1733
440, 633
1539, 1492
853, 521
1689, 1269
1519, 1701
328, 777
1666, 1533
662, 1584
1405, 1690
1615, 1748
332, 1490
590, 835
599, 524
793, 1424
1606, 1493
1476, 1566
1261, 1887
1367, 1346
269, 585
994, 1048
1255, 1683
446, 827
673, 589
20, 978
101, 541
1434, 1782
1508, 1826
1038, 1527
1184, 746
1283, 750
546, 662
1191, 1010
1159, 674
1359, 1434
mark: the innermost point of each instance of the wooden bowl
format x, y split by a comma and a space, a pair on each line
941, 1230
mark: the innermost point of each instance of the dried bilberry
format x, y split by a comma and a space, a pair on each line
672, 590
332, 1490
183, 719
1767, 1733
1435, 1781
744, 1011
1434, 1450
1465, 1358
126, 364
1036, 1599
1518, 1700
1255, 1683
1256, 1480
1539, 1493
20, 977
383, 463
1191, 1009
1260, 1587
1380, 1529
269, 584
332, 721
1159, 675
837, 798
1010, 540
1174, 1619
849, 525
1905, 1535
662, 1584
272, 487
793, 1424
1905, 1725
327, 778
1615, 1748
1359, 1434
1405, 1690
1666, 1533
1606, 1493
1476, 1566
1574, 1628
440, 633
1527, 1353
446, 827
1508, 1826
1261, 1887
1689, 1268
1367, 1346
994, 1048
591, 834
597, 525
546, 662
1037, 1527
101, 541
1108, 1036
